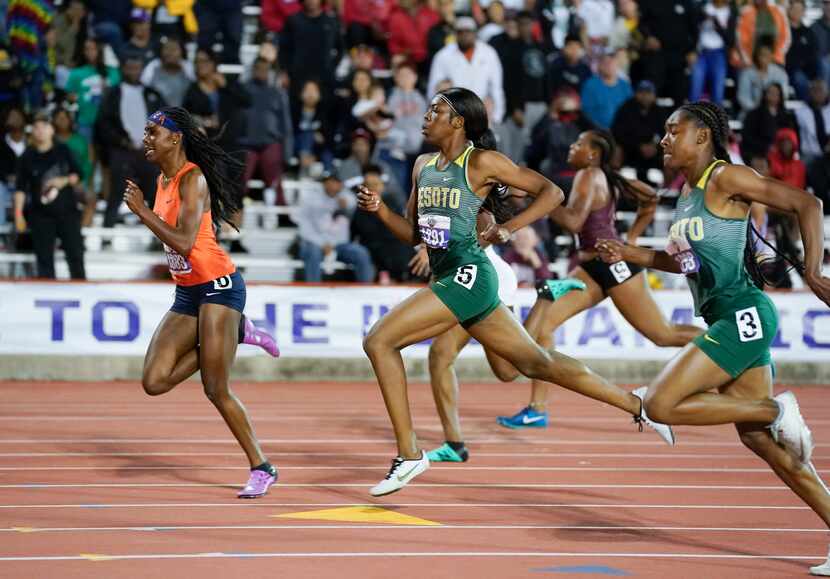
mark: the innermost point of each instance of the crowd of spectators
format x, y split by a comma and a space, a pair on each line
335, 92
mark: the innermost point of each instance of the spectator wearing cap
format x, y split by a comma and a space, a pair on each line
671, 31
569, 68
362, 155
638, 127
409, 25
45, 200
140, 44
220, 18
718, 19
387, 252
268, 134
310, 47
170, 74
605, 92
120, 131
323, 218
470, 64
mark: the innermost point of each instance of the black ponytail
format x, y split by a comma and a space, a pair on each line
617, 184
467, 105
713, 117
222, 171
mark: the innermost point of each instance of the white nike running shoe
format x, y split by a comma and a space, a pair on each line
402, 471
823, 570
664, 431
789, 429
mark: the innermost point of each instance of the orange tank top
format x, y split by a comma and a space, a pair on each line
207, 260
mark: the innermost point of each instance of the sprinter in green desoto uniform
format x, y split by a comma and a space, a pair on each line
448, 190
707, 243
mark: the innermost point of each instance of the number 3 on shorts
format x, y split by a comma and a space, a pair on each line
466, 275
749, 325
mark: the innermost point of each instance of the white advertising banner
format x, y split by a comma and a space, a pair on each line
330, 321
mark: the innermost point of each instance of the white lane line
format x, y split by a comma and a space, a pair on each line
28, 530
346, 441
249, 504
174, 467
625, 456
422, 485
331, 555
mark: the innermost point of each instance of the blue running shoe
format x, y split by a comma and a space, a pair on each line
525, 418
553, 289
446, 453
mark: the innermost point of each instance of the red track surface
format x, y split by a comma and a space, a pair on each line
590, 494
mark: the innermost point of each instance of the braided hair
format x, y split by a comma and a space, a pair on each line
222, 171
617, 184
711, 116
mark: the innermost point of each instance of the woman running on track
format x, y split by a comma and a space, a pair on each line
195, 193
445, 349
448, 189
590, 213
708, 243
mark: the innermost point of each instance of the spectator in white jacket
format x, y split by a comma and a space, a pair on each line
324, 219
470, 64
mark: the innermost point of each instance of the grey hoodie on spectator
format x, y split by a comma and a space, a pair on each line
409, 109
321, 220
268, 119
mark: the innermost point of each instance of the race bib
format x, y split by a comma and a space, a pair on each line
683, 254
749, 325
435, 230
620, 271
177, 264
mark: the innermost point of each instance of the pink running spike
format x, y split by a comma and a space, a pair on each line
257, 485
257, 337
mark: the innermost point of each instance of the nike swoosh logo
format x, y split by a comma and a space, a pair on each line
708, 339
689, 208
401, 477
529, 420
212, 294
439, 283
445, 179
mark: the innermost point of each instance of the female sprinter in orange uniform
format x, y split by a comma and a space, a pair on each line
202, 329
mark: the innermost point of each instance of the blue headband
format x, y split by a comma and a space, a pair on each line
163, 120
